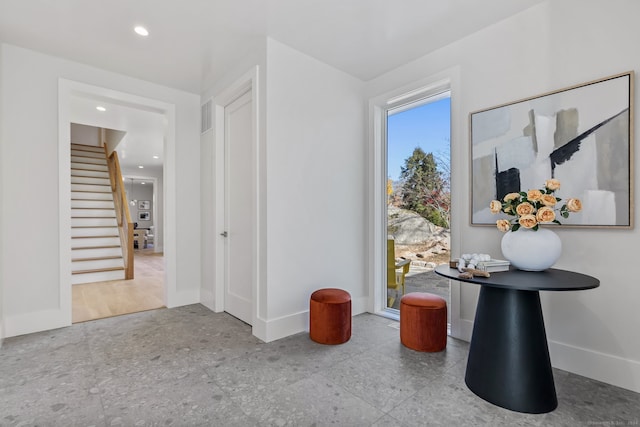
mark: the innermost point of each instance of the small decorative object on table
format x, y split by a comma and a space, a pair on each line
494, 265
532, 248
468, 264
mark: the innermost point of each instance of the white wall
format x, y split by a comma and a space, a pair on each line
315, 178
2, 201
86, 135
140, 192
30, 80
548, 47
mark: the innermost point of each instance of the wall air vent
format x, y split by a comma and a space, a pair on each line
205, 117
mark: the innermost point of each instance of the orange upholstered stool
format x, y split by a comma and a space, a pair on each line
330, 316
423, 322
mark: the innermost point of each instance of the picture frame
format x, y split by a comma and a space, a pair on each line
144, 216
580, 135
144, 204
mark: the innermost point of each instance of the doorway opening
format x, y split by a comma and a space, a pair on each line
418, 195
145, 139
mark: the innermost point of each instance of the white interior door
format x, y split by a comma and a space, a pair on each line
238, 295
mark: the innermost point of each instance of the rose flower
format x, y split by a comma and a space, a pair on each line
574, 205
511, 196
495, 206
534, 195
552, 184
503, 225
524, 209
548, 200
528, 221
545, 214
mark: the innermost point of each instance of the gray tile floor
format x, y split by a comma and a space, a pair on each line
190, 366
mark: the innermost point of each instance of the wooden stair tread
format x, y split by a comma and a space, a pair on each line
102, 162
100, 209
99, 258
96, 247
94, 226
95, 147
98, 270
99, 185
94, 237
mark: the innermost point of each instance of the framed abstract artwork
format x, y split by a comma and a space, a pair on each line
581, 136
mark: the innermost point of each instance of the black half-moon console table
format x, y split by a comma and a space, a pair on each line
508, 362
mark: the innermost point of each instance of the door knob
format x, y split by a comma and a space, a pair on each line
224, 234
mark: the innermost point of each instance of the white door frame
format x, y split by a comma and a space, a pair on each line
248, 82
67, 89
377, 179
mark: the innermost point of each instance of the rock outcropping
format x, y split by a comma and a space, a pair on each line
409, 228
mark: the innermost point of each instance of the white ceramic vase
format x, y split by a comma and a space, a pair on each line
531, 250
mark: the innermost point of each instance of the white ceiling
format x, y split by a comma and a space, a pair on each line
193, 43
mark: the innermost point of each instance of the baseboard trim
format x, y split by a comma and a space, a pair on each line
207, 299
603, 367
466, 330
284, 326
28, 323
608, 368
182, 298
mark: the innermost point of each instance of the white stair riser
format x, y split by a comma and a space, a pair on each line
92, 204
86, 242
84, 166
91, 188
93, 222
103, 276
75, 213
99, 231
90, 180
93, 196
91, 160
84, 153
92, 148
96, 264
95, 174
95, 253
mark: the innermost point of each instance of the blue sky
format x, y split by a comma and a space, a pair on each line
427, 126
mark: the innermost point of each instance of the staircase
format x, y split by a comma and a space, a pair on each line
95, 239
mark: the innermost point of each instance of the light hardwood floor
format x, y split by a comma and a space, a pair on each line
105, 299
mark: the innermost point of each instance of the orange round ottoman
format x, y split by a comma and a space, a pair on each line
330, 316
423, 322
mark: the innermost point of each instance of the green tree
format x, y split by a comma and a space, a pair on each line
423, 184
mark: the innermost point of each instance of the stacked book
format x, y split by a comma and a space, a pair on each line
493, 265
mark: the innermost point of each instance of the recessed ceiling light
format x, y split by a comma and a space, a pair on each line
156, 157
140, 167
101, 108
141, 31
143, 183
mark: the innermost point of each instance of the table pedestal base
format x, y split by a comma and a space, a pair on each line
509, 363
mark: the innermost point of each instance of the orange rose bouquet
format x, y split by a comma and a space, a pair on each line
533, 207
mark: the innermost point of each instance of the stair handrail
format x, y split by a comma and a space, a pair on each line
123, 216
